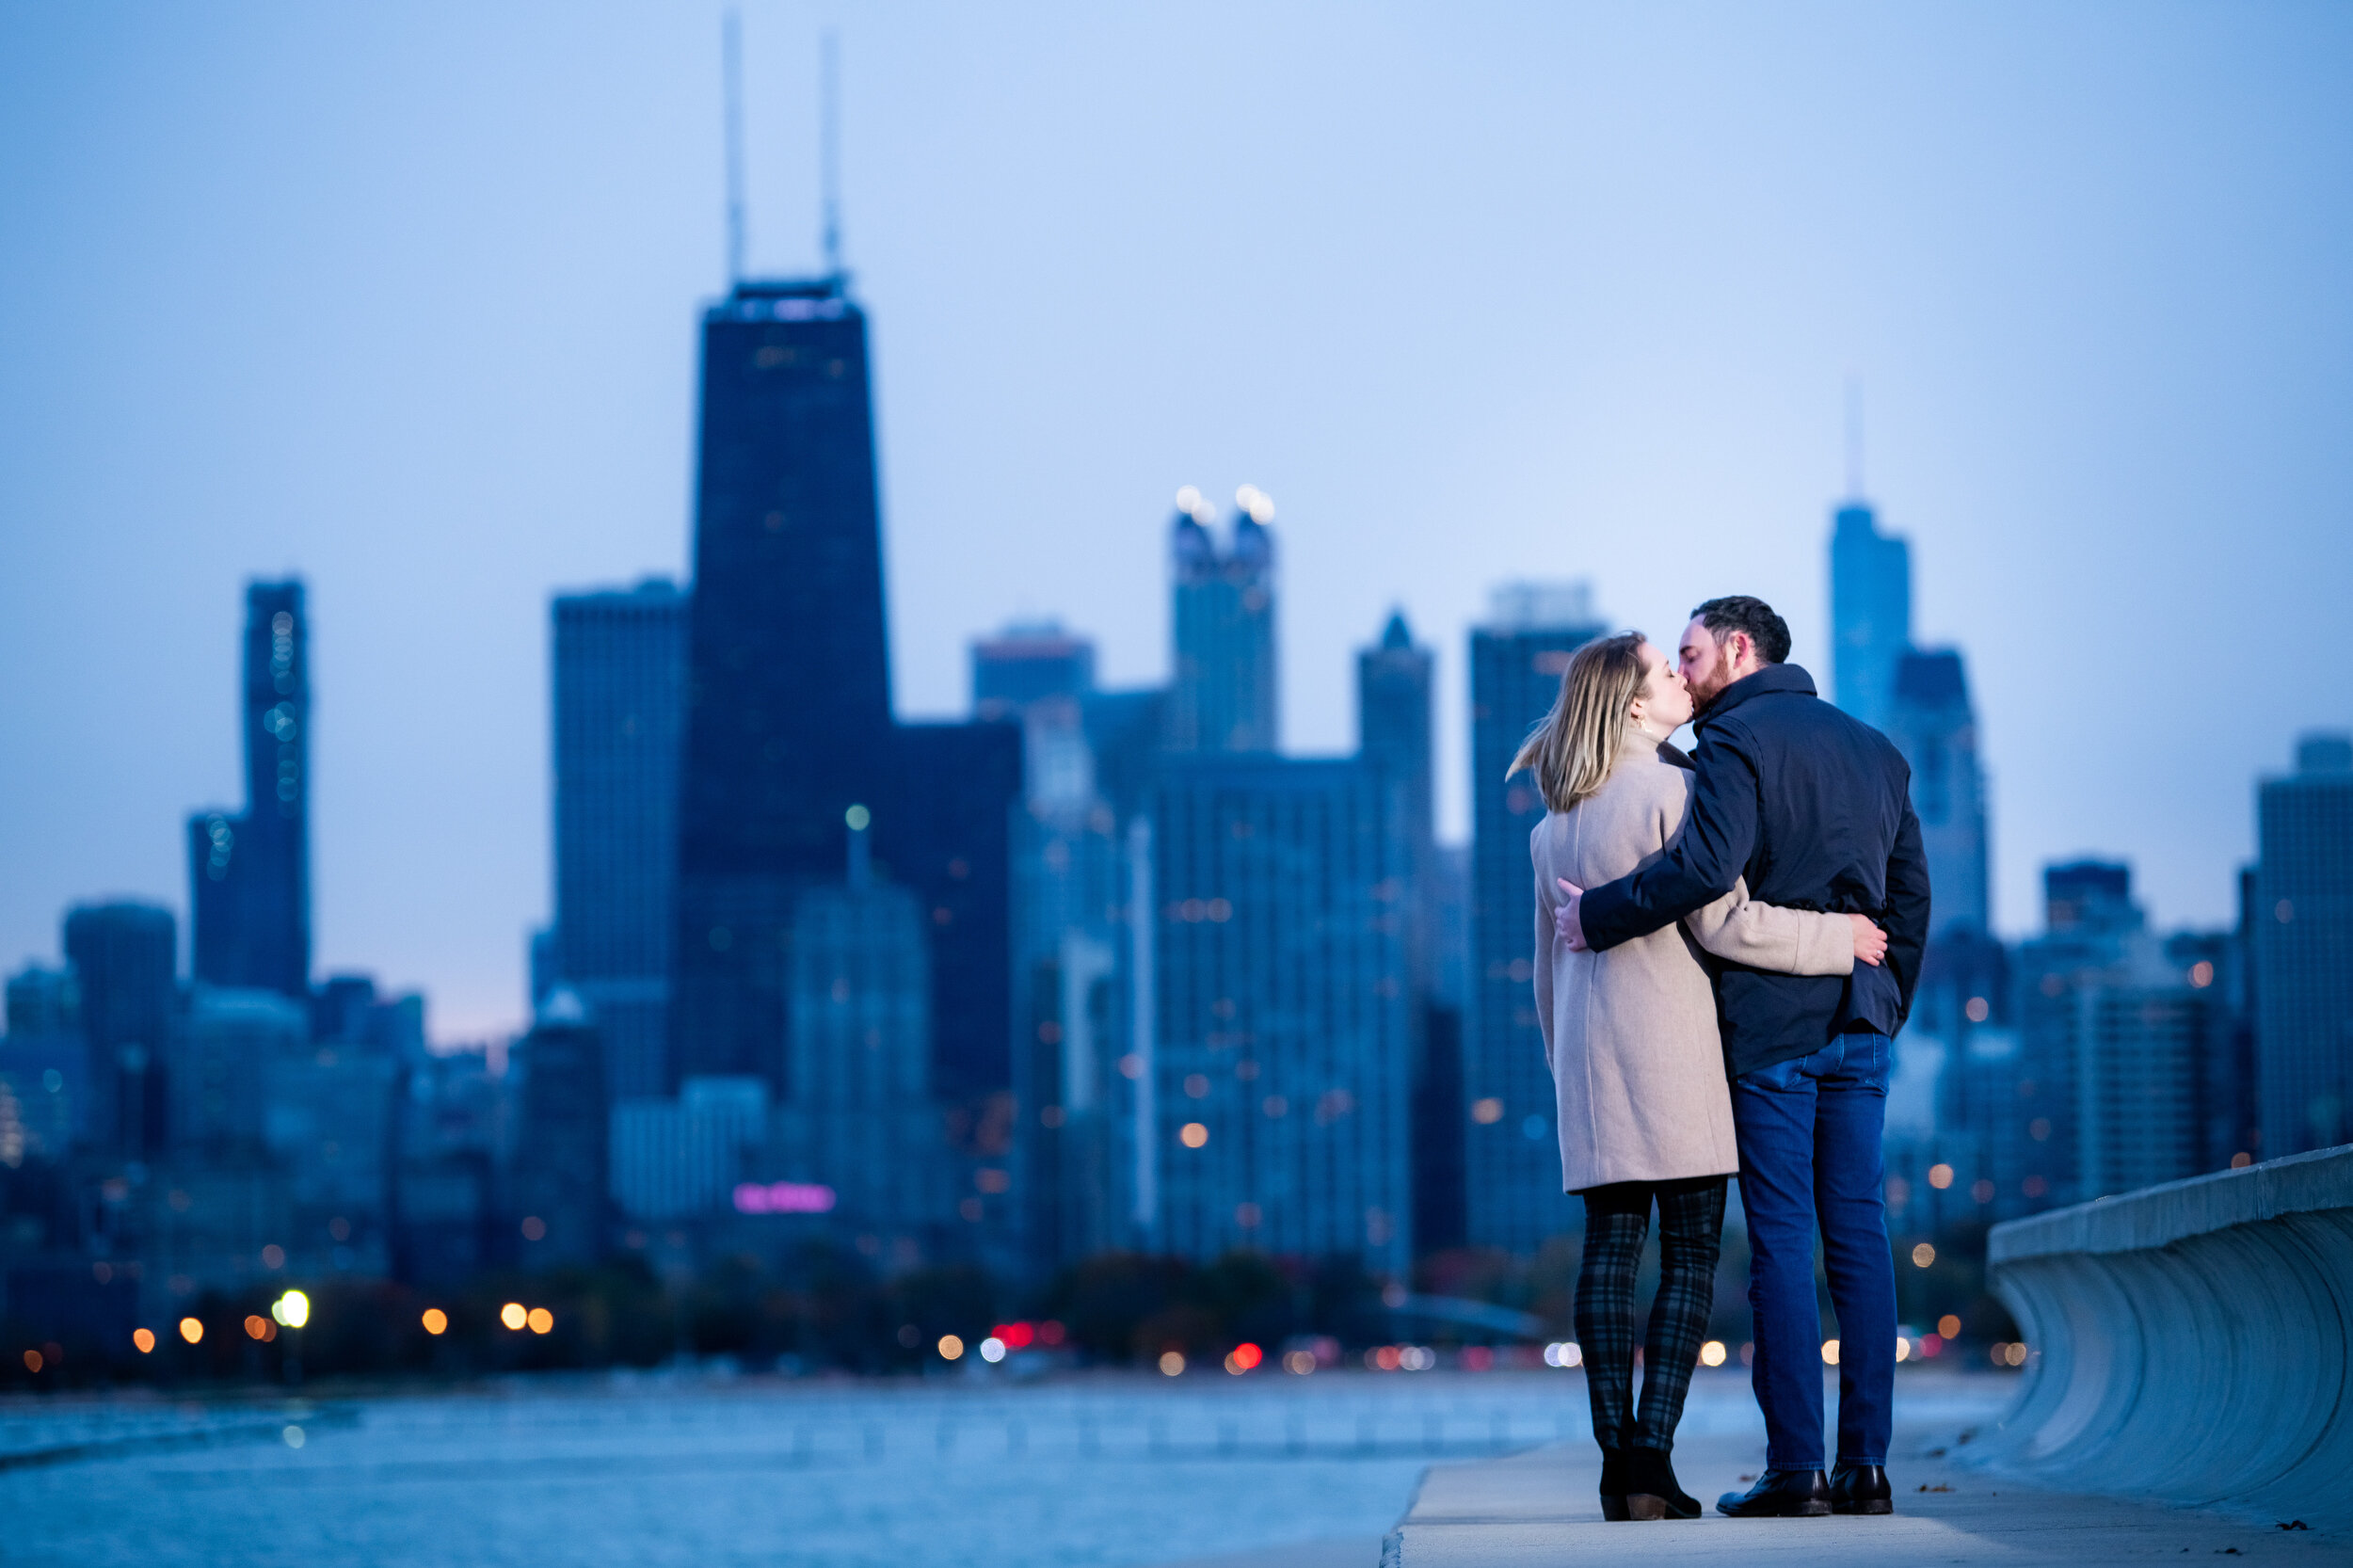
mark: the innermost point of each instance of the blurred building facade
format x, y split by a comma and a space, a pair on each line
619, 675
2302, 928
1396, 744
562, 1174
125, 962
858, 1114
1512, 1161
1281, 1067
1932, 722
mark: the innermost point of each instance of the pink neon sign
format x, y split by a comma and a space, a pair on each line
783, 1197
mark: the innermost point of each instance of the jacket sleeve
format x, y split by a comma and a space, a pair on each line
1707, 858
1767, 937
1907, 921
1544, 940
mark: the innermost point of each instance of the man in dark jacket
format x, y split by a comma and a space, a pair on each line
1815, 810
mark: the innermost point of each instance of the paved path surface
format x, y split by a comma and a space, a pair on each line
1539, 1509
1355, 1551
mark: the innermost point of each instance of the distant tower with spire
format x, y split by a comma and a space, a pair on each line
1870, 593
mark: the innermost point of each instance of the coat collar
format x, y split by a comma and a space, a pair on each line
1637, 746
1773, 680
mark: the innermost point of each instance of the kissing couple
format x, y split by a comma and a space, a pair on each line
1725, 943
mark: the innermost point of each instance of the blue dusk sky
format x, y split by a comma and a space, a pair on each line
403, 299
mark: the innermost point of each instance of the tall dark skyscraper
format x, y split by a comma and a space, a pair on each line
124, 958
788, 711
1870, 612
1393, 724
250, 873
1393, 688
2302, 920
788, 707
945, 830
562, 1141
620, 684
1512, 1160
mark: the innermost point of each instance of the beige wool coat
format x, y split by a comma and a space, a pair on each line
1637, 1065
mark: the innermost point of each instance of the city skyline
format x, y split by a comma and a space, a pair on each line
430, 675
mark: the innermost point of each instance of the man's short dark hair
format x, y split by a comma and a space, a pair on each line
1740, 613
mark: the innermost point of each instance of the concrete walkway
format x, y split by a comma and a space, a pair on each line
1538, 1509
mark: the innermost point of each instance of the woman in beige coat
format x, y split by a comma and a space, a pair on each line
1644, 1113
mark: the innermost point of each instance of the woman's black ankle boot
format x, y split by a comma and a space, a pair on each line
1613, 1485
1651, 1488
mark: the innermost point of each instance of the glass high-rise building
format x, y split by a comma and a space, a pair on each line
1067, 866
250, 871
562, 1145
1393, 721
1223, 697
860, 1117
1870, 612
619, 681
1027, 662
945, 833
1393, 683
1512, 1160
788, 711
1934, 724
124, 958
44, 1062
1280, 1059
2302, 921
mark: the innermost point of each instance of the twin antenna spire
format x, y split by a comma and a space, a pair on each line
1854, 438
828, 147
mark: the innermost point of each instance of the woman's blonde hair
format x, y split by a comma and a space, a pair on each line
1573, 750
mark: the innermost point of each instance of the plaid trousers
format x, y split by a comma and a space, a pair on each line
1691, 1233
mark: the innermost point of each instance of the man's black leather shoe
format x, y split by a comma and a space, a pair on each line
1780, 1495
1861, 1489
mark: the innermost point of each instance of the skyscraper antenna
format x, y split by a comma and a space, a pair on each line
830, 149
732, 66
1854, 438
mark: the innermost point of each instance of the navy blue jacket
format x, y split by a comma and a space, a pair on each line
1815, 809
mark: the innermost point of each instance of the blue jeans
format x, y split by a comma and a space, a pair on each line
1809, 1134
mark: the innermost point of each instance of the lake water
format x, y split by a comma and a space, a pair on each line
1100, 1471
